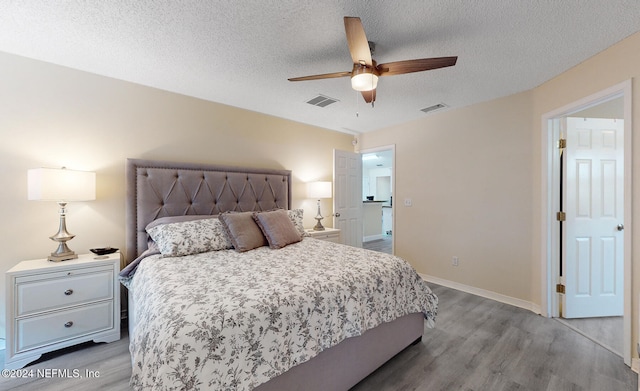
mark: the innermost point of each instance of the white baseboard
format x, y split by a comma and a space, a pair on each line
527, 305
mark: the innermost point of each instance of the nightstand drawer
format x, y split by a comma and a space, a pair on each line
329, 237
58, 326
59, 290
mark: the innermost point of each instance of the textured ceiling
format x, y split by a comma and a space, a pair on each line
241, 53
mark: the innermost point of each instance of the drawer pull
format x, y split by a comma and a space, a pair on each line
68, 292
68, 324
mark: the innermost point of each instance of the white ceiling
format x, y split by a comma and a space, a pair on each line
241, 53
375, 160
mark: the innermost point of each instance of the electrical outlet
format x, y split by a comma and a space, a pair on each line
407, 202
454, 261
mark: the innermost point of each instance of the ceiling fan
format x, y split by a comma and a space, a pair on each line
365, 72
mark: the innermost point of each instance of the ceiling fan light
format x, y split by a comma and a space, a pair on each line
364, 81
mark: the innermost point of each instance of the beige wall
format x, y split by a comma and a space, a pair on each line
474, 176
52, 116
468, 173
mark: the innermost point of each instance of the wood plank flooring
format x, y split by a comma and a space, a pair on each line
606, 331
480, 344
477, 344
384, 245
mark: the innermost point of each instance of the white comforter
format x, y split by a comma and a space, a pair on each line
227, 320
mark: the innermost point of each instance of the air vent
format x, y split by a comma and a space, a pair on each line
434, 108
321, 101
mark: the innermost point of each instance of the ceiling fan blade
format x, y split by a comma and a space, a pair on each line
369, 96
357, 41
323, 76
419, 65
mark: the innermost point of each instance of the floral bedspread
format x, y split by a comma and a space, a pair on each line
225, 320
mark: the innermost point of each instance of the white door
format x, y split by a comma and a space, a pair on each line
347, 197
594, 205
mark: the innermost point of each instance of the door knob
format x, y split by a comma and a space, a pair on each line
336, 214
620, 227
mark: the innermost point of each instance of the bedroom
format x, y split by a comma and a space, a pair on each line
55, 116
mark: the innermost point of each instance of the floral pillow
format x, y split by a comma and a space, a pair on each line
190, 237
296, 216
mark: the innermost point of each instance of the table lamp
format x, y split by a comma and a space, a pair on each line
61, 185
319, 190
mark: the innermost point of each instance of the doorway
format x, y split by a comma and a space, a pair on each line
614, 102
377, 198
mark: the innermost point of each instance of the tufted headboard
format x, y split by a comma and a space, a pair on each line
158, 188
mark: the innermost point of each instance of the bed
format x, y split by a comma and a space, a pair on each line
281, 314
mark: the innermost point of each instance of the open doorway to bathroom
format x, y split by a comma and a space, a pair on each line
377, 198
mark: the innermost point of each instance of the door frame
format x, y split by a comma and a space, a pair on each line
550, 205
392, 148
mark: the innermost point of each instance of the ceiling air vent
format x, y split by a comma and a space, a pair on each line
434, 108
321, 101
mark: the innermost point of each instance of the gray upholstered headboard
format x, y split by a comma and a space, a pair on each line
159, 188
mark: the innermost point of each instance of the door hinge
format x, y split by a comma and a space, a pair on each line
562, 143
560, 288
561, 216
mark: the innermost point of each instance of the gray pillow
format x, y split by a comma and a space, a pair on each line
277, 227
243, 231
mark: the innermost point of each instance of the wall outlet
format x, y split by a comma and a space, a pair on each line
408, 202
454, 261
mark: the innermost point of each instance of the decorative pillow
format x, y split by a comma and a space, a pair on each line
243, 231
177, 219
296, 216
277, 227
190, 237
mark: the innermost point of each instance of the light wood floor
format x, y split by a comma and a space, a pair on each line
384, 245
480, 344
606, 331
477, 344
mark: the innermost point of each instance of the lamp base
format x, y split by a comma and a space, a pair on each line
318, 217
319, 226
63, 252
62, 257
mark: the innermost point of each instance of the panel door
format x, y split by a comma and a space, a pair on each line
594, 191
347, 199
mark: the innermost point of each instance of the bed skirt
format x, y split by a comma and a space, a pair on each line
344, 365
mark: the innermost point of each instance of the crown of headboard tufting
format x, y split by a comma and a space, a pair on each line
158, 188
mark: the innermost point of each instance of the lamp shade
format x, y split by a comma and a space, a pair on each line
60, 184
319, 190
364, 82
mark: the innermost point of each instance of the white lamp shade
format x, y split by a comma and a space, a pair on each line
364, 82
319, 190
60, 184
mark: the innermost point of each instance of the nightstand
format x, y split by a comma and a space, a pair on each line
329, 234
52, 305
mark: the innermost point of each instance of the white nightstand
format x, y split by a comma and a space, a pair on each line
52, 305
329, 234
